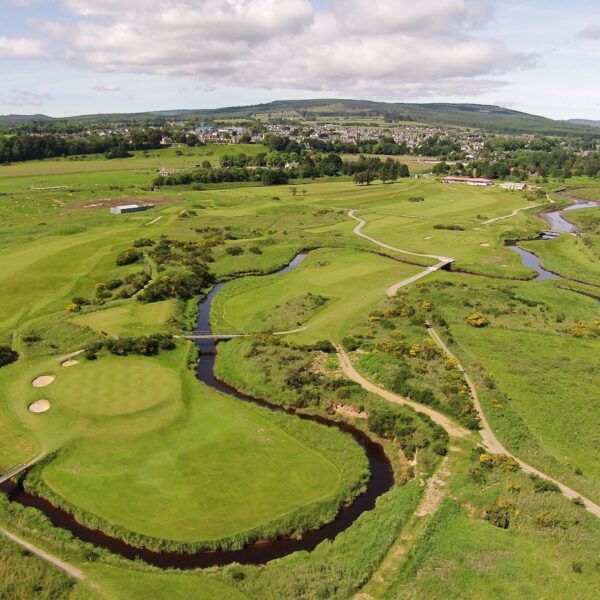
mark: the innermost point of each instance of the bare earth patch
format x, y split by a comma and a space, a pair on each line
43, 381
69, 363
39, 406
350, 411
486, 245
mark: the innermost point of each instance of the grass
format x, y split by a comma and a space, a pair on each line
569, 256
188, 468
130, 319
536, 377
462, 555
352, 281
24, 575
212, 474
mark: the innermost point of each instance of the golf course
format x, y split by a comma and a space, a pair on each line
327, 425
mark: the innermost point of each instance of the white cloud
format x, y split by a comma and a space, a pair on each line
23, 99
592, 32
107, 87
21, 47
347, 46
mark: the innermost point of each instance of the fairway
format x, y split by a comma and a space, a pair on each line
130, 319
351, 281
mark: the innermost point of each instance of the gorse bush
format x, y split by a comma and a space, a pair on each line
128, 257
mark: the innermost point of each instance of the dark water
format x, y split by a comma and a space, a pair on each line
381, 480
533, 262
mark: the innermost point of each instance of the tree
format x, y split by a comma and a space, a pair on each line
7, 355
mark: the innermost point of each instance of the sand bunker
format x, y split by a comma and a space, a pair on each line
69, 363
43, 381
429, 238
486, 245
39, 406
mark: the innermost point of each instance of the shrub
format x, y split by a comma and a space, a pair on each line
143, 243
7, 355
416, 199
543, 485
255, 250
477, 320
128, 257
499, 514
235, 250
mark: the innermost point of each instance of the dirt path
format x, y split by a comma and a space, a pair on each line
350, 372
514, 213
391, 291
493, 444
390, 567
54, 560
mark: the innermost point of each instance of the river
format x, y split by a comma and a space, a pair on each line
381, 480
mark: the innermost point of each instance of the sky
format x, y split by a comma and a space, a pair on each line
72, 57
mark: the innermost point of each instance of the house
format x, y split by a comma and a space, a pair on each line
478, 181
129, 208
513, 185
166, 172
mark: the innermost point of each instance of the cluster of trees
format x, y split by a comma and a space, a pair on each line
146, 345
410, 432
365, 170
523, 164
223, 175
189, 275
307, 166
27, 146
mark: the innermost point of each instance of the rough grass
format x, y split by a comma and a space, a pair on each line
571, 257
24, 576
537, 379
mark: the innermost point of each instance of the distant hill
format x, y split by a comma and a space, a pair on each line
479, 116
587, 122
16, 119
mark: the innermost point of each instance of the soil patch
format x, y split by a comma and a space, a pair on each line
109, 202
350, 411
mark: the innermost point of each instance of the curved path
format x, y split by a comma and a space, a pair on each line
514, 213
348, 369
490, 441
493, 444
54, 560
442, 260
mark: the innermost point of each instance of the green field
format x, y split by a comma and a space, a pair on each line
136, 446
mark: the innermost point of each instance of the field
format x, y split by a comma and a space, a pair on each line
135, 445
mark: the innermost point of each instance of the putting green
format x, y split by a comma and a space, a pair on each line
115, 386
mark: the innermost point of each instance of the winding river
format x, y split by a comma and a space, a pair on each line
559, 224
381, 480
